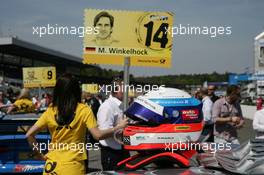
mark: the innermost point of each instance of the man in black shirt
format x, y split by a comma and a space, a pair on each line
92, 101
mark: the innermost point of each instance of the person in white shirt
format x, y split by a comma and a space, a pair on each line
258, 123
107, 117
35, 100
207, 114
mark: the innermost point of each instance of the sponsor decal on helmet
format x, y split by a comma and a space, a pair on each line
190, 114
182, 127
140, 138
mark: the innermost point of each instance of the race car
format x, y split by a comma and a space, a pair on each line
15, 153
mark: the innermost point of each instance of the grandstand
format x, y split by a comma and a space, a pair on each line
16, 54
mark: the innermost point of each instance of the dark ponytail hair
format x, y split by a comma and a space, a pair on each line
66, 96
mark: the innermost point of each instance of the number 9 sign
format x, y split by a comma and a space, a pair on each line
48, 74
39, 77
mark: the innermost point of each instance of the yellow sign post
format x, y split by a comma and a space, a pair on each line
39, 77
127, 38
144, 37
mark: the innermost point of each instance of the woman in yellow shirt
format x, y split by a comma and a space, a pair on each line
67, 119
23, 104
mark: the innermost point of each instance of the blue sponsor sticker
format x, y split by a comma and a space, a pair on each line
177, 102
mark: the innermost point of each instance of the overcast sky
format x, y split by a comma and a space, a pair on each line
191, 53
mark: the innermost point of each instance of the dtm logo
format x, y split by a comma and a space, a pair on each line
190, 114
27, 168
140, 138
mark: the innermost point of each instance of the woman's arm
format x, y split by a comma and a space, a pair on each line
33, 142
103, 134
10, 108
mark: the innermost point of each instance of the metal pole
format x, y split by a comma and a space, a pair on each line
126, 82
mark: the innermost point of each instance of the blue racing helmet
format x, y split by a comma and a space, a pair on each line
166, 105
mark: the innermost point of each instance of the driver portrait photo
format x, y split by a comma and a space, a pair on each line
31, 75
104, 22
